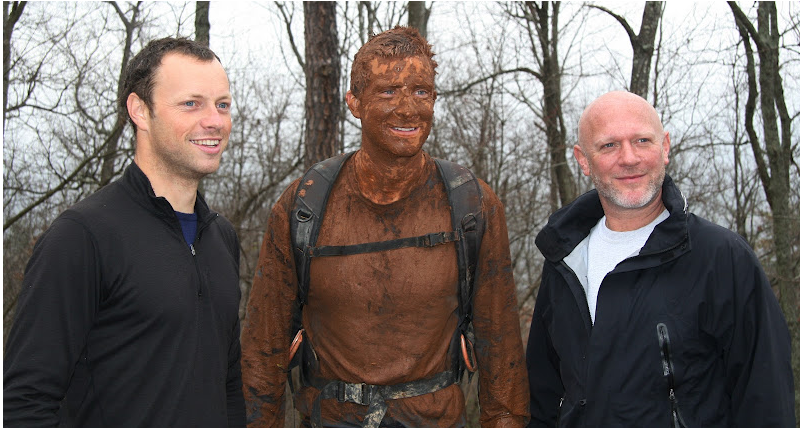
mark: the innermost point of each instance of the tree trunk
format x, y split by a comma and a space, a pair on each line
202, 26
418, 16
9, 20
643, 44
562, 183
112, 142
110, 155
643, 47
322, 82
366, 20
774, 170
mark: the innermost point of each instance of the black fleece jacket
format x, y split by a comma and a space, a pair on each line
121, 324
694, 283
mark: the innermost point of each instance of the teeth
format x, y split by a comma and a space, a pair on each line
207, 143
404, 129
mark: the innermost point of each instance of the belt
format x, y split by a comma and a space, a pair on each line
374, 396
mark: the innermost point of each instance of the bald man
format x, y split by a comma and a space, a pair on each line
648, 315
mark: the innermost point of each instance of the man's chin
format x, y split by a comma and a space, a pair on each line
406, 150
633, 201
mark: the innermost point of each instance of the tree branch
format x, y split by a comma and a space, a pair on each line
489, 77
744, 21
288, 21
631, 34
64, 182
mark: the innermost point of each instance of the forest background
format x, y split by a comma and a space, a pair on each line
513, 78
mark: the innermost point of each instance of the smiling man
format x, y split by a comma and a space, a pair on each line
129, 312
648, 315
374, 284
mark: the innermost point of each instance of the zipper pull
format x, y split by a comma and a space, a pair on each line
191, 246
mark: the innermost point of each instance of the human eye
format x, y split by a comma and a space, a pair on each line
422, 92
224, 105
190, 103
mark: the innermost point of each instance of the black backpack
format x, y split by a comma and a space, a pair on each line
464, 194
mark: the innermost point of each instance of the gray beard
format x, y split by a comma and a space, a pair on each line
615, 197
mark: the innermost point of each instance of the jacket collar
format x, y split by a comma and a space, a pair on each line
568, 226
140, 189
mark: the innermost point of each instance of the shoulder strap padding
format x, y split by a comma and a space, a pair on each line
306, 217
464, 195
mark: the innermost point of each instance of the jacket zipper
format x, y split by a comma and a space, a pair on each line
197, 269
669, 370
200, 229
586, 298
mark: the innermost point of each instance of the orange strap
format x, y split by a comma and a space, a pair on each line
467, 354
298, 339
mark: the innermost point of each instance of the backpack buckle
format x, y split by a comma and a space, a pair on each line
359, 393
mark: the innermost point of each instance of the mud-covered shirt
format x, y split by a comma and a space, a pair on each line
385, 317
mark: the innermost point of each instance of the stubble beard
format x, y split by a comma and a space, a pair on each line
620, 199
176, 158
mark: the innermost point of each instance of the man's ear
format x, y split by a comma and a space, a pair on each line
582, 160
138, 111
353, 104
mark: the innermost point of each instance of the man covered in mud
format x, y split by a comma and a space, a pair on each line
381, 327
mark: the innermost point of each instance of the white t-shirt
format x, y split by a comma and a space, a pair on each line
607, 248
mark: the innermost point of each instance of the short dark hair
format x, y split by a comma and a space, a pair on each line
139, 75
399, 42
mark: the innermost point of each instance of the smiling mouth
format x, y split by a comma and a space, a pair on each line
404, 129
631, 177
205, 143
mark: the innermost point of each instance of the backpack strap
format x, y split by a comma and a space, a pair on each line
465, 197
306, 219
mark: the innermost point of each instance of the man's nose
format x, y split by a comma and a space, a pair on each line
628, 155
212, 118
407, 106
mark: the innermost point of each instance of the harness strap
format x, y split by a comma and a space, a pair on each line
310, 203
429, 240
374, 396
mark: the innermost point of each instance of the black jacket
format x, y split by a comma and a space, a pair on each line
728, 341
121, 324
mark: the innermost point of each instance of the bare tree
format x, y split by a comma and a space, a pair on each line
418, 16
323, 99
772, 151
643, 43
202, 27
107, 150
540, 21
9, 21
130, 24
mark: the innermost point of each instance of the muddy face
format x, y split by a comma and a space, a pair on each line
396, 107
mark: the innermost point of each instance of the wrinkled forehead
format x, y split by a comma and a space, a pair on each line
400, 68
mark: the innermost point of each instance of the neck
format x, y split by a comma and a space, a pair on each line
625, 220
180, 193
387, 181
